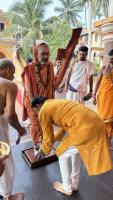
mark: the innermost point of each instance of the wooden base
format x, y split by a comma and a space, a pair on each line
28, 155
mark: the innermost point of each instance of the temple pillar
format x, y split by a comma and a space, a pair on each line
106, 27
107, 32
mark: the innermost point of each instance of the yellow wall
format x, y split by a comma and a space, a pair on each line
9, 51
6, 51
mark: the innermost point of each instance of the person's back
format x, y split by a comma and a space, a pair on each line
8, 93
64, 113
80, 130
5, 87
3, 91
85, 130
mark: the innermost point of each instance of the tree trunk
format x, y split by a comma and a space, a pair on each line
110, 8
85, 11
90, 29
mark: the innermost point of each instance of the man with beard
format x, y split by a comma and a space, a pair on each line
37, 79
79, 78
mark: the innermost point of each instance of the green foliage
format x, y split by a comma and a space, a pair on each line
59, 38
69, 11
99, 8
26, 52
96, 70
27, 16
96, 67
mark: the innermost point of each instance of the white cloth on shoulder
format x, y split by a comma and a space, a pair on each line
7, 179
81, 74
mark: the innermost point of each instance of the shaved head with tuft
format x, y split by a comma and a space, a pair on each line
6, 63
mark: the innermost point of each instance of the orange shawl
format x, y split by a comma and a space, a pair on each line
105, 98
36, 90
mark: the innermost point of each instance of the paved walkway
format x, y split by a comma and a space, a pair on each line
38, 183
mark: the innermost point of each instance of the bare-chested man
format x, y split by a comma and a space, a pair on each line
8, 93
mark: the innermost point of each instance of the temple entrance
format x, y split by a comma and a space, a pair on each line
2, 55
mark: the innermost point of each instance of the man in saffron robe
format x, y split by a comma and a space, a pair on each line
103, 94
80, 129
37, 79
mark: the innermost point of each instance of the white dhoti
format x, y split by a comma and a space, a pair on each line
60, 95
69, 163
61, 91
76, 96
7, 179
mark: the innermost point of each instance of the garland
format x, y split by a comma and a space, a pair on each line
43, 83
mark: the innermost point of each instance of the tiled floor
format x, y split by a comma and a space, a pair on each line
38, 183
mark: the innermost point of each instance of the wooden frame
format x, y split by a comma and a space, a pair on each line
32, 162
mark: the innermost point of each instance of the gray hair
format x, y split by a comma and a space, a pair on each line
5, 63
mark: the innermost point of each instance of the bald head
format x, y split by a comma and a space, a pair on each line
7, 69
6, 63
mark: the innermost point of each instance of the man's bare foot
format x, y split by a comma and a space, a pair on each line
17, 196
59, 187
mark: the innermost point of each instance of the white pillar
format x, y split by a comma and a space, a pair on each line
110, 8
107, 31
